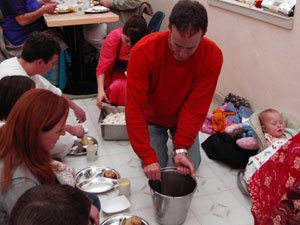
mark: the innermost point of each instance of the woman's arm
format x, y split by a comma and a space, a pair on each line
28, 18
101, 94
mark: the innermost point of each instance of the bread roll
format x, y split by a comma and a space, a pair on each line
134, 220
109, 174
85, 141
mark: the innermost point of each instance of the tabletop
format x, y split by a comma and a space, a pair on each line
69, 19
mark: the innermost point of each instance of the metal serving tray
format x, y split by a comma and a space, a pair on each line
92, 180
120, 220
78, 148
112, 132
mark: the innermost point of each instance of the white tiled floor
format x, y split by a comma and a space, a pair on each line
217, 200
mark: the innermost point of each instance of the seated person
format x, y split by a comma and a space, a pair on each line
25, 161
11, 89
95, 33
50, 204
23, 17
39, 55
114, 56
125, 9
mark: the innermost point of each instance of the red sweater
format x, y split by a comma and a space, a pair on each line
170, 93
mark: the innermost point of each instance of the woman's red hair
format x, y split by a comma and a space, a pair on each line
35, 112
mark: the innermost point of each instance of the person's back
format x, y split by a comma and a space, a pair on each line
51, 204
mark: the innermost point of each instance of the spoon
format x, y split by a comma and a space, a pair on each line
111, 103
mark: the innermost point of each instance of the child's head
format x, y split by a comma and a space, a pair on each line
133, 30
272, 122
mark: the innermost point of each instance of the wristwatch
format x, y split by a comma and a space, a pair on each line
180, 150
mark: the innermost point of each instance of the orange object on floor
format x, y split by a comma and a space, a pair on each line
219, 119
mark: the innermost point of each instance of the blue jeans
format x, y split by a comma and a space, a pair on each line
158, 141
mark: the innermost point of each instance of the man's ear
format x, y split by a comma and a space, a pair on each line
169, 27
39, 61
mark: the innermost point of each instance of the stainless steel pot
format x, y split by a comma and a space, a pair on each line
172, 196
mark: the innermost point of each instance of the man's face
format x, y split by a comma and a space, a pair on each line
182, 44
44, 68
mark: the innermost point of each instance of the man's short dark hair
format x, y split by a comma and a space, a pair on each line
189, 16
51, 204
40, 46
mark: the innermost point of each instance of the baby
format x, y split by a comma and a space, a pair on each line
272, 125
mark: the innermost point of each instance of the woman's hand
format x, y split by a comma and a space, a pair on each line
49, 8
45, 2
94, 215
101, 96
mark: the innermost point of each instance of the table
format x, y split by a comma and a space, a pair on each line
73, 26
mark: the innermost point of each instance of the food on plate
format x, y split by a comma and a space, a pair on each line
64, 9
109, 174
115, 118
95, 2
86, 141
134, 220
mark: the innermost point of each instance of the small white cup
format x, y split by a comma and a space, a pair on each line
124, 186
92, 152
80, 9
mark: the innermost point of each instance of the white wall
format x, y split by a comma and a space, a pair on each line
261, 61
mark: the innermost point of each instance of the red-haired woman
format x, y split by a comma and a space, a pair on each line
31, 130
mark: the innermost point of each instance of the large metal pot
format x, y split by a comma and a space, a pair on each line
172, 196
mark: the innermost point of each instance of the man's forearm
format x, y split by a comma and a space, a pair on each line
72, 105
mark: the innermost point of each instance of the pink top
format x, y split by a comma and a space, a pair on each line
112, 50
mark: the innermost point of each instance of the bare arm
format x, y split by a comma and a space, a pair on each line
28, 18
79, 113
77, 131
101, 94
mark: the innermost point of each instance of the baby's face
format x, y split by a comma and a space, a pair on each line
274, 124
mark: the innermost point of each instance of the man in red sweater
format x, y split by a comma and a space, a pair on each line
171, 80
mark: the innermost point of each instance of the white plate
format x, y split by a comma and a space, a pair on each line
97, 9
114, 205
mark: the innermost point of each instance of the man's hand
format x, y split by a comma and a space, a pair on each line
183, 164
77, 131
152, 171
80, 114
94, 215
